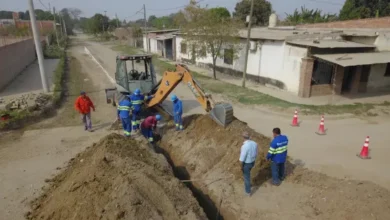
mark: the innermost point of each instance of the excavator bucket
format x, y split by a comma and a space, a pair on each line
222, 113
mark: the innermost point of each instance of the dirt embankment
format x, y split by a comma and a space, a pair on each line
117, 178
209, 154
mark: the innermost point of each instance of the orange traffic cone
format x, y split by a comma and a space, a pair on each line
365, 151
321, 128
295, 119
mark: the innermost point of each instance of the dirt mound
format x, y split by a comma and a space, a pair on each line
117, 178
209, 154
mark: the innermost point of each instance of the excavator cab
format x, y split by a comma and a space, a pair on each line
132, 72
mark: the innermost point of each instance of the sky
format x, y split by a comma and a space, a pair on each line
127, 9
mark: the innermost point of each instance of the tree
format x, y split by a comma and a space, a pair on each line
96, 24
75, 13
305, 16
357, 9
151, 19
261, 11
208, 31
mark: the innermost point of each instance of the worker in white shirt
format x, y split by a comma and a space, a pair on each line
247, 158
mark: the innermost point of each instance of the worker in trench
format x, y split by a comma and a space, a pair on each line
137, 99
277, 153
124, 111
148, 126
177, 112
83, 105
248, 156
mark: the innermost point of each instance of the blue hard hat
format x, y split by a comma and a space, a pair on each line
173, 98
82, 93
158, 117
137, 91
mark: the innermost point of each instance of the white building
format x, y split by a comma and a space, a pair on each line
271, 61
304, 61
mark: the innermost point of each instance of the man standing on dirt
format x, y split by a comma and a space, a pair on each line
277, 153
124, 109
247, 158
177, 112
148, 125
84, 105
137, 99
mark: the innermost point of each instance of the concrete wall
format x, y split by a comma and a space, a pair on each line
377, 81
14, 58
383, 41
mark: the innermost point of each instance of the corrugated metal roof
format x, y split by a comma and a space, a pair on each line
329, 44
356, 59
267, 34
162, 31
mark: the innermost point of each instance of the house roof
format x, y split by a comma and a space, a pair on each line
164, 36
162, 31
356, 59
329, 44
267, 34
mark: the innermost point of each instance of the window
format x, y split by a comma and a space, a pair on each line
203, 52
387, 73
322, 73
183, 48
228, 56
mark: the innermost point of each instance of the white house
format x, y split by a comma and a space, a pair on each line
306, 61
271, 61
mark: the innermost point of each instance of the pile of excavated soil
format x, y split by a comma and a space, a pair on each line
117, 178
209, 154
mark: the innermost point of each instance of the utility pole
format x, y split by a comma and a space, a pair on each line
117, 21
65, 31
146, 34
105, 15
38, 46
49, 7
55, 26
247, 45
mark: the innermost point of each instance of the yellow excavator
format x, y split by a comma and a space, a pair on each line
142, 76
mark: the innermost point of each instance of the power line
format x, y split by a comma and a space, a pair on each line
43, 5
326, 2
134, 13
167, 9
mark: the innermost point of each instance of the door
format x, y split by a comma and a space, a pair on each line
347, 80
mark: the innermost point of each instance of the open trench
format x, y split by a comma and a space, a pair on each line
204, 158
208, 205
207, 154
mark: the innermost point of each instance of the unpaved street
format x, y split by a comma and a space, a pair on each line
26, 161
39, 152
333, 154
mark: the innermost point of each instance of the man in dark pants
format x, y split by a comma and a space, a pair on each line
277, 153
247, 158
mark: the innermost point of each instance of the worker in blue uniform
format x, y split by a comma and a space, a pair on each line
177, 112
137, 99
277, 153
124, 111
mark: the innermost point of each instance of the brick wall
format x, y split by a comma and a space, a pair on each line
14, 58
320, 90
359, 23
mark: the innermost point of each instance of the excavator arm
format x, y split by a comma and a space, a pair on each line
222, 113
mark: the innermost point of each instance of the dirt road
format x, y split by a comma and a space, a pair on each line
26, 160
333, 154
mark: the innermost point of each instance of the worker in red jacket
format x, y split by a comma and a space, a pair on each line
84, 105
148, 125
